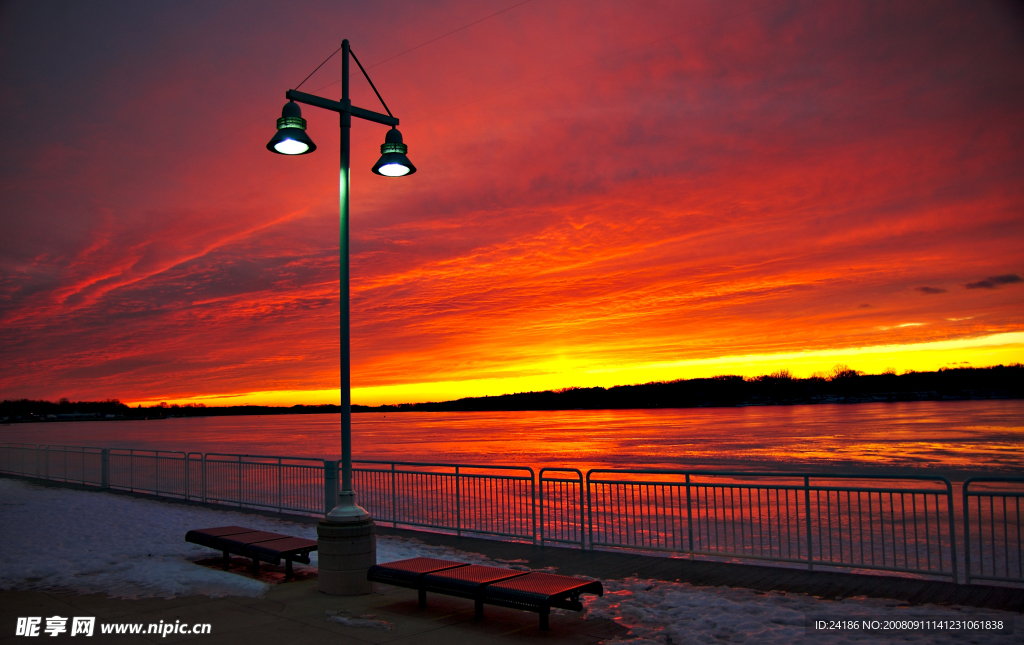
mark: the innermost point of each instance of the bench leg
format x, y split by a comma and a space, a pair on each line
479, 613
422, 598
544, 611
287, 569
227, 558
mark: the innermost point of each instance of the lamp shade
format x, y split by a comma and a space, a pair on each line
393, 162
291, 137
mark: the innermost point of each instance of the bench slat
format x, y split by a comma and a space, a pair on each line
255, 537
466, 581
408, 573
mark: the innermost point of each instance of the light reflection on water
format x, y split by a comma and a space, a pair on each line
948, 436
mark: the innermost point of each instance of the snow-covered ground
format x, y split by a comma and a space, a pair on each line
671, 613
94, 542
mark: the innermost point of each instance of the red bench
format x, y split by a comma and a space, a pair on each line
255, 545
527, 590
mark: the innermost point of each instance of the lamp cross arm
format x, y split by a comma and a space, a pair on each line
338, 106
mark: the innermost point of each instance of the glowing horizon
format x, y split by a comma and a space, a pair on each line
999, 349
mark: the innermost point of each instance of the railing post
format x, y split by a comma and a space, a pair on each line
967, 533
105, 468
689, 515
156, 475
540, 496
583, 523
590, 514
952, 532
807, 510
394, 498
279, 486
330, 485
533, 505
203, 466
458, 504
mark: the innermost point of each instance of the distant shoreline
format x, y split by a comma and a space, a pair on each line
843, 386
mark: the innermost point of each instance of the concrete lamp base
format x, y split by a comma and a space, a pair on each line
346, 549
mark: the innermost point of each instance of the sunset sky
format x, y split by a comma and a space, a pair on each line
607, 193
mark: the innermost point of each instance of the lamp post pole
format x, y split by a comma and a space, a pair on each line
346, 342
347, 545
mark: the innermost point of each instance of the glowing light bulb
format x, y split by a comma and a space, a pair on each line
290, 147
393, 170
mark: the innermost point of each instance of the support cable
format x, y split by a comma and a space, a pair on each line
321, 65
369, 81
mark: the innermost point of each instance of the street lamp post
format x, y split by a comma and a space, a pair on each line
346, 535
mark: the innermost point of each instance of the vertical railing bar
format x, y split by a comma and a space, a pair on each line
952, 531
916, 540
458, 503
1006, 538
689, 516
807, 510
533, 508
1020, 560
992, 531
903, 516
394, 503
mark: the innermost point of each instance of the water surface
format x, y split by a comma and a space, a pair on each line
942, 437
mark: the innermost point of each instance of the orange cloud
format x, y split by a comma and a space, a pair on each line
605, 194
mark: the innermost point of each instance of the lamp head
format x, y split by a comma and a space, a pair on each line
291, 137
393, 162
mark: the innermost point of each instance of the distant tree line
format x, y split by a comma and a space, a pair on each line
841, 385
23, 410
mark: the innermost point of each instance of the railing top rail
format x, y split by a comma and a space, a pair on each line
547, 469
37, 446
440, 465
227, 454
993, 478
989, 480
155, 452
747, 473
773, 486
49, 446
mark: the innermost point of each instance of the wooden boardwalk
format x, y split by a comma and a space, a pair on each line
824, 584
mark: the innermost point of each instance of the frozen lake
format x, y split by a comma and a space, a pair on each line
943, 437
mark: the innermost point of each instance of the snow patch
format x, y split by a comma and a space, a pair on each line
95, 542
673, 613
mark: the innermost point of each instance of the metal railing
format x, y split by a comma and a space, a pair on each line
835, 521
158, 472
76, 464
898, 524
562, 501
489, 500
992, 529
284, 484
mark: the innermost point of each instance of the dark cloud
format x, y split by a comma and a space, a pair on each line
994, 281
864, 306
930, 291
